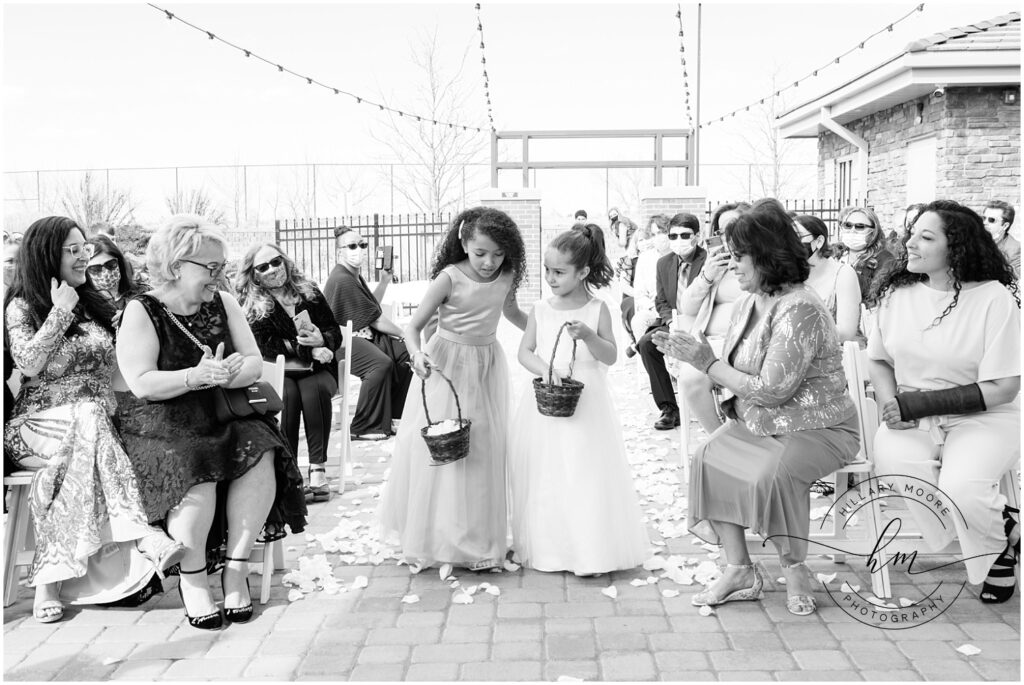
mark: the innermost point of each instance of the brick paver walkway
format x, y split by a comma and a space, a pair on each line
538, 627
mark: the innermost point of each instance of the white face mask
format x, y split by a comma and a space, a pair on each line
660, 242
353, 258
683, 248
855, 241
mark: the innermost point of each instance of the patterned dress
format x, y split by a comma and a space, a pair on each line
86, 497
177, 443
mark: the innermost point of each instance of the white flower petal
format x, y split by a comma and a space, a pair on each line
493, 590
462, 598
904, 602
446, 570
610, 591
670, 593
825, 579
295, 595
968, 650
706, 611
410, 599
360, 582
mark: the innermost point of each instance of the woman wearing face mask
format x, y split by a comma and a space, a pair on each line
834, 282
379, 357
110, 273
706, 306
638, 291
273, 294
867, 250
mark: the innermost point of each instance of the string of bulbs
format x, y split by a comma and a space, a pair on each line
859, 46
682, 60
483, 61
314, 82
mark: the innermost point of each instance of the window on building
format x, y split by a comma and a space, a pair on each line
844, 182
921, 169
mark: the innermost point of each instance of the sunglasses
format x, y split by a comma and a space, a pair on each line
856, 227
95, 269
362, 245
215, 268
266, 266
76, 251
684, 236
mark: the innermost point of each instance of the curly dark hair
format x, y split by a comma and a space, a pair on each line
766, 233
585, 249
972, 256
714, 228
493, 223
128, 285
38, 261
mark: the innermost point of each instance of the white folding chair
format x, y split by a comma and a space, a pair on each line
344, 404
270, 555
18, 548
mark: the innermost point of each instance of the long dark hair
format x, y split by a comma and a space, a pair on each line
817, 228
38, 261
493, 223
127, 285
971, 252
256, 301
584, 249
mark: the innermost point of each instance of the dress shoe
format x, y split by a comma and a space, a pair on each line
669, 420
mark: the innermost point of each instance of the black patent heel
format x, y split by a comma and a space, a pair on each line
209, 621
236, 614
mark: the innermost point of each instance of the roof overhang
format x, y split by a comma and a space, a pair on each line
906, 77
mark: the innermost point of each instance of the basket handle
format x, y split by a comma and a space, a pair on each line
572, 360
423, 390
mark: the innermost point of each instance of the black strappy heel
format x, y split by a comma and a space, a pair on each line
236, 614
209, 621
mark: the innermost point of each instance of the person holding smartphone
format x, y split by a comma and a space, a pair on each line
289, 315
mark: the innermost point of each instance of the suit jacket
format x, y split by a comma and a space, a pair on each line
1010, 247
668, 278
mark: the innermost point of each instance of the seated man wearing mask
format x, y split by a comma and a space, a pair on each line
675, 271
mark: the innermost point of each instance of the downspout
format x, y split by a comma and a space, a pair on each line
825, 119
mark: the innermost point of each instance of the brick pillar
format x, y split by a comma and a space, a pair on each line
523, 205
669, 201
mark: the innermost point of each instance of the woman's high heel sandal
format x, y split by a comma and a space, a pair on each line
998, 586
750, 594
209, 621
162, 551
800, 605
1011, 524
236, 614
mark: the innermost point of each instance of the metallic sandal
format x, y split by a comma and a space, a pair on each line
800, 605
163, 554
750, 594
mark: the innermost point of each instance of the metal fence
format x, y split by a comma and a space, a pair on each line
826, 210
413, 237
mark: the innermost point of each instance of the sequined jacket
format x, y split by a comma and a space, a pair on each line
794, 361
59, 370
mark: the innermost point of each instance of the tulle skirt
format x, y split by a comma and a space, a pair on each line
574, 504
453, 513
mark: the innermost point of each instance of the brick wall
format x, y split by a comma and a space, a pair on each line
524, 208
977, 145
669, 201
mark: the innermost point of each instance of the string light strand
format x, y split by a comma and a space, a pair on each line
836, 60
360, 100
682, 61
483, 65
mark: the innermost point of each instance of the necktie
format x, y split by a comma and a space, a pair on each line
682, 282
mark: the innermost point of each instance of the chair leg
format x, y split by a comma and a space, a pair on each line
14, 540
684, 439
268, 570
880, 577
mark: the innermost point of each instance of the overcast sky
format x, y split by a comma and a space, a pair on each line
111, 85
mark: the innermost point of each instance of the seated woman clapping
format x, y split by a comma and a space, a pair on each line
945, 365
209, 480
289, 315
85, 495
792, 419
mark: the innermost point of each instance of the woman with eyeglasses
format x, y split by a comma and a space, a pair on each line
379, 357
111, 274
94, 542
866, 248
212, 483
289, 315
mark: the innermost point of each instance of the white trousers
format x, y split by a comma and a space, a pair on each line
965, 455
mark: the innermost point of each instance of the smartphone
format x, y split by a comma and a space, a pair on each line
385, 258
301, 318
715, 242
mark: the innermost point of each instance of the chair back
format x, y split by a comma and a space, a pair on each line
855, 364
273, 373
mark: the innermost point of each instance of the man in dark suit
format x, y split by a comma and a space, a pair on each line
675, 271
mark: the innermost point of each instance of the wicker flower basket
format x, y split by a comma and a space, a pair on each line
450, 446
558, 400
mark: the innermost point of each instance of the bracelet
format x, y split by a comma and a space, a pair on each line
710, 281
707, 369
187, 386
